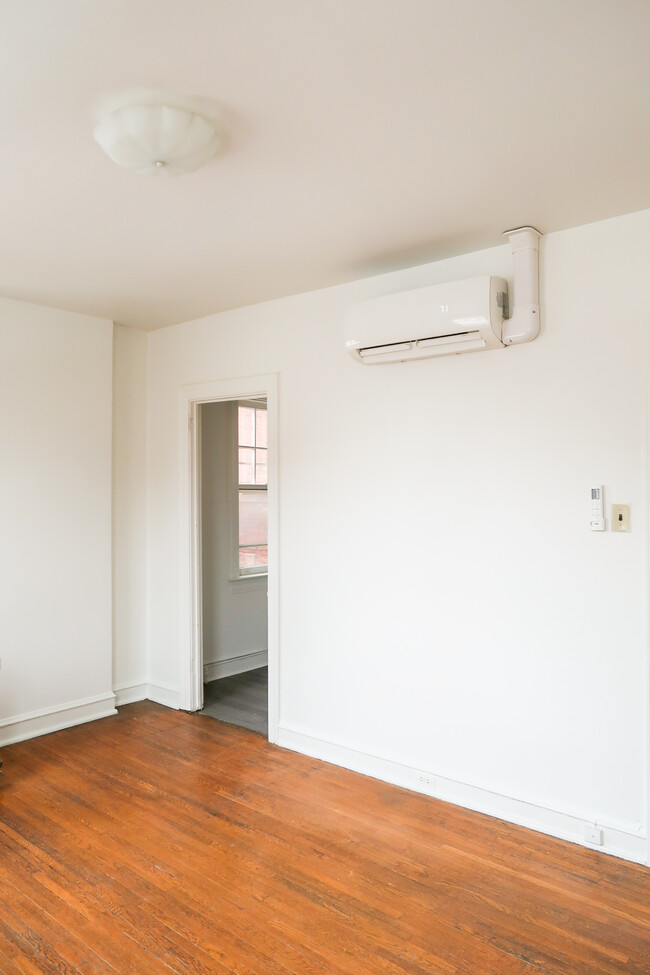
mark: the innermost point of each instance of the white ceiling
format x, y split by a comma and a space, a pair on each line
363, 136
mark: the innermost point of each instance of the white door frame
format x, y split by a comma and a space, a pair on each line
645, 332
191, 397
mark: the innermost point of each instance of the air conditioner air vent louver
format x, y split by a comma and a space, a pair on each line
463, 316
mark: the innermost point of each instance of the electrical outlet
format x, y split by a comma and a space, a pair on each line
593, 835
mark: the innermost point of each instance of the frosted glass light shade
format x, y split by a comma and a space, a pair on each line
158, 139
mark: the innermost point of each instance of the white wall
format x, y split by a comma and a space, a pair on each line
452, 612
129, 514
55, 519
234, 610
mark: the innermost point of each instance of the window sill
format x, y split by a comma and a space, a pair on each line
250, 578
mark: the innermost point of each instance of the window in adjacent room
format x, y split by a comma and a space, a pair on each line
252, 453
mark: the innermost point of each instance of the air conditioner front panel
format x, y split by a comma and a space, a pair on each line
461, 316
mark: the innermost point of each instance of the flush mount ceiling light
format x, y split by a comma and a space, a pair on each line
158, 139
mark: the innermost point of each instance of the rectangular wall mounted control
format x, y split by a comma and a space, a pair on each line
593, 834
597, 520
620, 517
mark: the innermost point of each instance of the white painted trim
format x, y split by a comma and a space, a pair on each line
20, 727
191, 586
273, 577
169, 697
617, 842
217, 669
130, 693
191, 664
163, 694
644, 325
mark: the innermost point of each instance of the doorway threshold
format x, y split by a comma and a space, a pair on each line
241, 700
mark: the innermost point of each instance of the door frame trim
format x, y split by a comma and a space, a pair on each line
191, 624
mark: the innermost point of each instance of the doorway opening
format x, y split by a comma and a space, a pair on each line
234, 561
229, 639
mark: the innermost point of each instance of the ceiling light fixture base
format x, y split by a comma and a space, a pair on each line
158, 139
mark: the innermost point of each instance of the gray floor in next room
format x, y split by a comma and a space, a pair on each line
241, 700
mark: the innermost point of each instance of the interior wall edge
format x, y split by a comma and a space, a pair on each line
129, 502
646, 567
130, 693
169, 697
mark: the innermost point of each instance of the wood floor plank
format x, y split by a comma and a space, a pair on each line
586, 941
104, 914
159, 842
359, 909
8, 966
35, 923
27, 947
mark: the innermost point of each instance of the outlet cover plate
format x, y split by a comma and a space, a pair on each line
593, 835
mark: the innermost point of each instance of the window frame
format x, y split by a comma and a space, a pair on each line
253, 572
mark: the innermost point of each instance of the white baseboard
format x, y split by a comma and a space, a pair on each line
165, 695
617, 842
235, 665
159, 693
130, 693
20, 727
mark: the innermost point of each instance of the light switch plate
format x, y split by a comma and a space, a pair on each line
620, 517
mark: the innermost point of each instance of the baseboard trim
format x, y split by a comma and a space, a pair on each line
616, 842
20, 727
163, 694
235, 665
130, 693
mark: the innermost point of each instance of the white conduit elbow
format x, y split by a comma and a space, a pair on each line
523, 324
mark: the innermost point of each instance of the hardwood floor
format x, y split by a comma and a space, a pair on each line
157, 842
242, 699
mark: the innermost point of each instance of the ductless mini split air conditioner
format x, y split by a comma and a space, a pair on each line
448, 319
